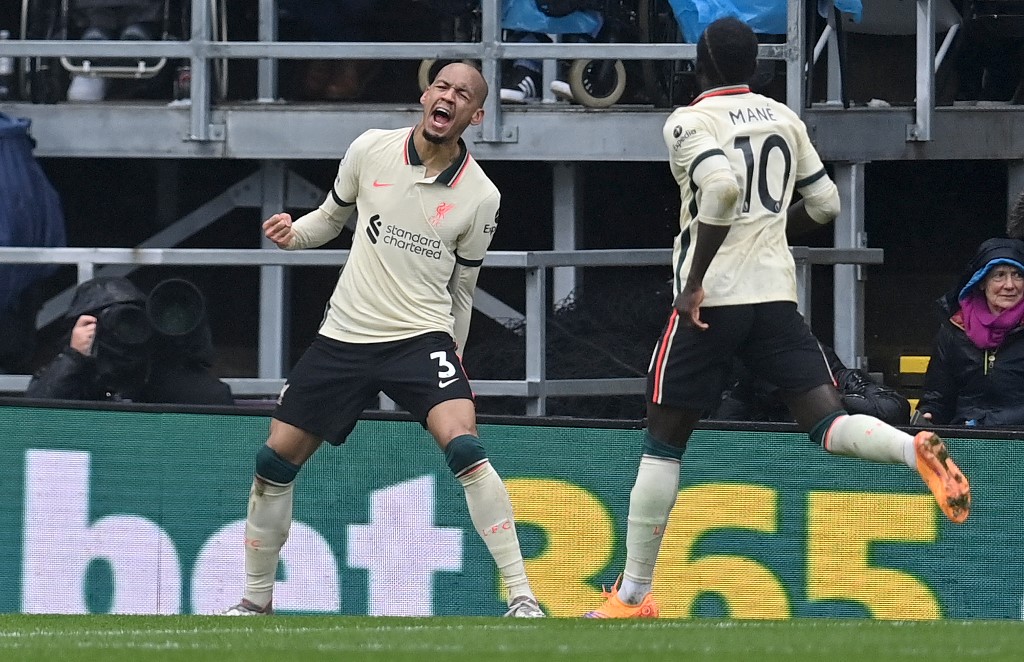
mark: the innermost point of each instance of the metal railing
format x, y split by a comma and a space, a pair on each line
201, 49
535, 387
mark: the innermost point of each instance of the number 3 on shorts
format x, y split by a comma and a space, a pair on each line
445, 369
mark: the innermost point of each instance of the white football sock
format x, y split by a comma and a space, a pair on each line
266, 530
650, 504
491, 511
866, 437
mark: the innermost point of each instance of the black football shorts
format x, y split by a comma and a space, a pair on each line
335, 381
690, 367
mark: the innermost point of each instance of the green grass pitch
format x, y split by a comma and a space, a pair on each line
87, 638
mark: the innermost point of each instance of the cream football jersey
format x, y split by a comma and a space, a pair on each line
770, 154
412, 234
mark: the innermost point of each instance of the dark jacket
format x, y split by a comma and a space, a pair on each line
157, 355
73, 376
965, 384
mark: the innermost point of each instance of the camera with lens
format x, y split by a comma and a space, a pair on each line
122, 327
177, 311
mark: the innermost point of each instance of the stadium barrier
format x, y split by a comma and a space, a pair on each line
535, 387
139, 509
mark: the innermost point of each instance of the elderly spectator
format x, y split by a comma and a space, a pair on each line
976, 372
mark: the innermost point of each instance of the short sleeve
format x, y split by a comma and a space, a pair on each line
809, 168
692, 147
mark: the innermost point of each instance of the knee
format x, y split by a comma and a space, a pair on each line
464, 453
655, 448
273, 467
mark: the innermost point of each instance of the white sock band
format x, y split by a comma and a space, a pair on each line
866, 437
650, 504
266, 530
491, 512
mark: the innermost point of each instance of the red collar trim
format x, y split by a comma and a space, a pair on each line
722, 92
409, 150
451, 175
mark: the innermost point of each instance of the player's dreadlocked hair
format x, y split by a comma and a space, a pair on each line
727, 52
1015, 219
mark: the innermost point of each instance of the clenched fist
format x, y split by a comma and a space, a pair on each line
84, 335
278, 229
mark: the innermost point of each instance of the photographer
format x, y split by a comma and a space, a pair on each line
125, 347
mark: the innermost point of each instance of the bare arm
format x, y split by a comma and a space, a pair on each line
798, 221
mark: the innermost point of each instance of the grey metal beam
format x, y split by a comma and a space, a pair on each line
870, 134
794, 50
247, 257
498, 310
275, 309
492, 130
534, 386
199, 110
268, 387
848, 280
545, 132
536, 339
266, 68
391, 50
921, 128
565, 228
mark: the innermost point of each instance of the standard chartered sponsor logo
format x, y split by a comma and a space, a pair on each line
414, 242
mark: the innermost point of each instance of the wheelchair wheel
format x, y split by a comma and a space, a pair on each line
597, 83
429, 68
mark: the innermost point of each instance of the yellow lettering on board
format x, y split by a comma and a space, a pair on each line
580, 537
749, 588
842, 527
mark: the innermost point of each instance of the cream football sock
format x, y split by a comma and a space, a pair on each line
866, 437
266, 530
491, 512
650, 504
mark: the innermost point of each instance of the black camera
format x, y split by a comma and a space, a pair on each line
124, 324
122, 328
177, 310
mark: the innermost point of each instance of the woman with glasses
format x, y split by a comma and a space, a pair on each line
976, 372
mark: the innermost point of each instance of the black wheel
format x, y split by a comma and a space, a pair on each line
666, 82
429, 68
597, 83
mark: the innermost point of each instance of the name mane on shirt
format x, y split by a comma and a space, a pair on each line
748, 115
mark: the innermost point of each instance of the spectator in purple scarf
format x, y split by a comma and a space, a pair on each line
976, 373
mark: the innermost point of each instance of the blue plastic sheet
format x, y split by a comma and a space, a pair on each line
523, 15
763, 16
30, 209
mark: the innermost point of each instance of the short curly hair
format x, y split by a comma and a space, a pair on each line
727, 52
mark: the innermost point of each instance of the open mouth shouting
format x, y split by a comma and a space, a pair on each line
441, 118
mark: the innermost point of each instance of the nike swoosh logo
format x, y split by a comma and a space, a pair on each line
442, 384
377, 184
